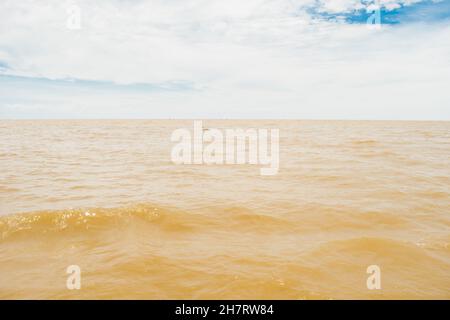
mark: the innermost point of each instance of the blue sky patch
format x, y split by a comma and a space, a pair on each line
427, 11
68, 83
3, 66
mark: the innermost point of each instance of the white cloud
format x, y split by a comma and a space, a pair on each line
345, 6
339, 6
256, 58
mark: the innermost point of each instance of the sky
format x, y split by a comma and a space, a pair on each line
258, 59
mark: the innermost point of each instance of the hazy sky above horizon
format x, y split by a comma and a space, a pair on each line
313, 59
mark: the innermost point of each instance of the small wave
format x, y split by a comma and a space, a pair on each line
236, 219
8, 189
367, 142
45, 222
